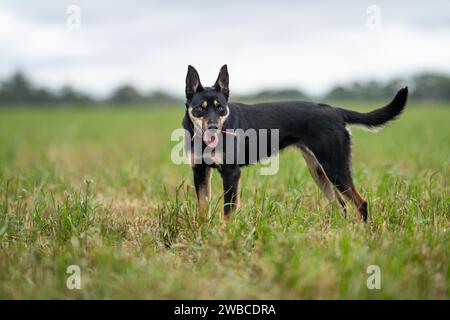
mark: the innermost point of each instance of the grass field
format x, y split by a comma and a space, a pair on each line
97, 189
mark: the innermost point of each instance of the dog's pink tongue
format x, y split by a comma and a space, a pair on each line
211, 140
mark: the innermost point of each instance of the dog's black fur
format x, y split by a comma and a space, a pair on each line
318, 130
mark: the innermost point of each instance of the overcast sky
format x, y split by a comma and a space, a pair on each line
274, 44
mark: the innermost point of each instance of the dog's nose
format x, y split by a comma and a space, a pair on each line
213, 126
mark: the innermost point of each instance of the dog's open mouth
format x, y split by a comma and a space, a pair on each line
211, 138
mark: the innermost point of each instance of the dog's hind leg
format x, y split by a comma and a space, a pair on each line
359, 202
339, 173
321, 178
340, 201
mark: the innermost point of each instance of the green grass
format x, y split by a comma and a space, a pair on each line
96, 188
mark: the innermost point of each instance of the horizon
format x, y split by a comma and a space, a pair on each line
350, 87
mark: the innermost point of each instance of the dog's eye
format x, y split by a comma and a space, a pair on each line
198, 111
222, 110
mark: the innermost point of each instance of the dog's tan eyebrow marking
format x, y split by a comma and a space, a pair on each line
204, 104
216, 103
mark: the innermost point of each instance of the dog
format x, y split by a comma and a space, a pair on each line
318, 130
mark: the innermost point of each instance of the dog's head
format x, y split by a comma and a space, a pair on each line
207, 107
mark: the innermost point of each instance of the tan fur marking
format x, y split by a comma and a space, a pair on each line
204, 104
196, 121
216, 157
204, 195
318, 174
341, 202
192, 160
356, 198
221, 120
204, 124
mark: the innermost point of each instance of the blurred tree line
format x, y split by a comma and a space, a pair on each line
425, 86
18, 90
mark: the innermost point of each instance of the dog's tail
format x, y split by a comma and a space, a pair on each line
380, 117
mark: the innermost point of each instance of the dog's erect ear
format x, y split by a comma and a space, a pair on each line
222, 81
193, 84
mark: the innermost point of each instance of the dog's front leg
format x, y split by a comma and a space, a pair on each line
202, 182
230, 178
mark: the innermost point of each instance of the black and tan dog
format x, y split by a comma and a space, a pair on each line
318, 130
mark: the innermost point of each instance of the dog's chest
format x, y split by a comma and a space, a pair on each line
212, 158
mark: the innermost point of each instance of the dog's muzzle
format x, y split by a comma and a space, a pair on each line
211, 137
